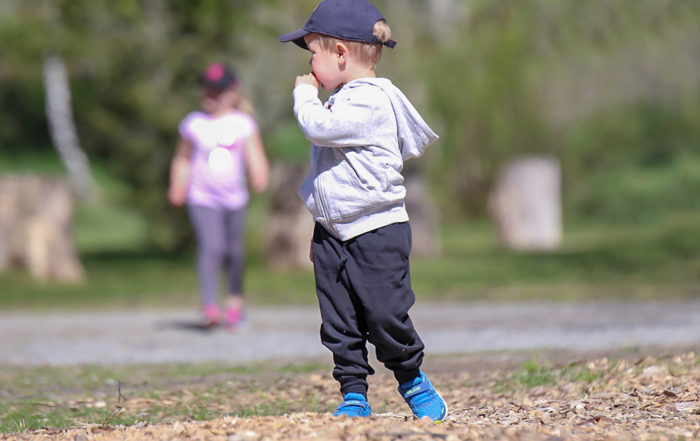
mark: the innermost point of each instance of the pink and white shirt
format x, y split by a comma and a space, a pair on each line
218, 173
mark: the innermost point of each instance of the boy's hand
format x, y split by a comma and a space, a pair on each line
309, 79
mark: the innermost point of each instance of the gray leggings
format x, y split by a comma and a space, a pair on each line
220, 242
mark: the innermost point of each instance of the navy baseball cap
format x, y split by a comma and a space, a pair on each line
218, 76
351, 20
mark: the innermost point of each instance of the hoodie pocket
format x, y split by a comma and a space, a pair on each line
343, 196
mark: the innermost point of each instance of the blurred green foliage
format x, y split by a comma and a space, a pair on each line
654, 260
611, 88
604, 86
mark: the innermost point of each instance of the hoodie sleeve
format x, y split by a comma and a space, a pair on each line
350, 121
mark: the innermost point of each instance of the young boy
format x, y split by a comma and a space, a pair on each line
362, 240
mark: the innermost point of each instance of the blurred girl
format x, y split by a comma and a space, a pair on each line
218, 154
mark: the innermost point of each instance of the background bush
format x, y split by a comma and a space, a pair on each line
611, 88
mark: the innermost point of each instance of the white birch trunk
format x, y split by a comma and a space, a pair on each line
62, 128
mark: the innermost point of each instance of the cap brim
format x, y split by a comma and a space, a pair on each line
297, 37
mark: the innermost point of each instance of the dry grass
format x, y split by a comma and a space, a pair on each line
652, 398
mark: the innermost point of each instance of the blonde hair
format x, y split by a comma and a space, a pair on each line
242, 102
370, 53
245, 105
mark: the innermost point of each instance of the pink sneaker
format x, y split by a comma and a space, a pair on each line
233, 317
211, 315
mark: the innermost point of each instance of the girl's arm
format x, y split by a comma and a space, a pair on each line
256, 163
180, 173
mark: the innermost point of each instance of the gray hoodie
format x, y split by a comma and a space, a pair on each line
360, 138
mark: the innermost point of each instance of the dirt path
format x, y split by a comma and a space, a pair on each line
147, 336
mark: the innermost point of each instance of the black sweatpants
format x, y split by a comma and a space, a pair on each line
364, 292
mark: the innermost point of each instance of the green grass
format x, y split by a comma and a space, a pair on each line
584, 374
36, 397
532, 374
657, 257
27, 414
657, 261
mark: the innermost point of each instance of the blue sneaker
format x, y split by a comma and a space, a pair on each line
354, 405
423, 399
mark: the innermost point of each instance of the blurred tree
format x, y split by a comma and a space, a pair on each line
592, 82
519, 77
479, 85
133, 68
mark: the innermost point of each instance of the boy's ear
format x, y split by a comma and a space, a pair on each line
341, 50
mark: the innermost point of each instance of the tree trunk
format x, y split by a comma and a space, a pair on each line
424, 216
289, 224
36, 228
62, 127
526, 204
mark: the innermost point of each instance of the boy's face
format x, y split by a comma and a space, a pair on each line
325, 64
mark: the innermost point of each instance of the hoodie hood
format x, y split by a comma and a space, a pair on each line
413, 132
